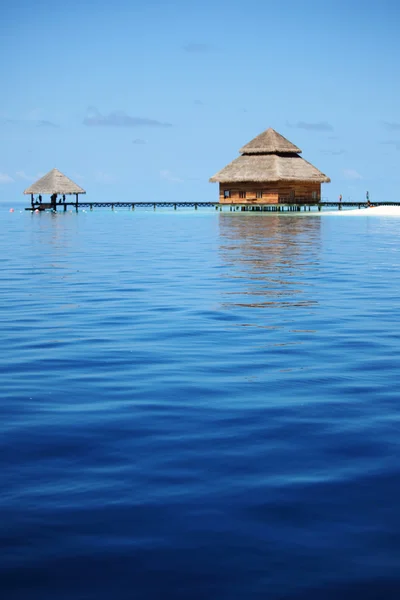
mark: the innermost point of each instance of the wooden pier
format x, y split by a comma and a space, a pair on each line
259, 207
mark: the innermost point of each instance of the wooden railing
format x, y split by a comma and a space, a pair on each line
298, 200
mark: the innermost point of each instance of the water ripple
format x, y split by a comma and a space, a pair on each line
199, 405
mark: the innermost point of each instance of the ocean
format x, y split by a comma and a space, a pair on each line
199, 405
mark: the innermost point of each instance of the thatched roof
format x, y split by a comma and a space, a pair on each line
269, 158
269, 142
54, 183
269, 167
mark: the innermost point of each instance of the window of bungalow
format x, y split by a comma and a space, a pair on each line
227, 193
242, 194
314, 195
259, 194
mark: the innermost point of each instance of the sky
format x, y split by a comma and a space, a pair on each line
145, 100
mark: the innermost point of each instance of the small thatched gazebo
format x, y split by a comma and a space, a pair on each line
270, 171
53, 184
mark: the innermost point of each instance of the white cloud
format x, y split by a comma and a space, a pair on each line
319, 126
118, 118
333, 152
23, 175
29, 122
102, 177
391, 126
168, 176
26, 177
394, 143
4, 178
351, 174
77, 176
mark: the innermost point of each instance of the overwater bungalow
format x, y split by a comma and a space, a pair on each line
56, 185
270, 171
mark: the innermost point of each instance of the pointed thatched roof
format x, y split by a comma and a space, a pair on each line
54, 183
269, 142
269, 158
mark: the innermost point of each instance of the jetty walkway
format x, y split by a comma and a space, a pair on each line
287, 207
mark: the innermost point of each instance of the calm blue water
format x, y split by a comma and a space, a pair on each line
199, 405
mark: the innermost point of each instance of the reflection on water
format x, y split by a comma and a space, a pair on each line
272, 256
50, 232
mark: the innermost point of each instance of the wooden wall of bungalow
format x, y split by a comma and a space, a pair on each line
269, 193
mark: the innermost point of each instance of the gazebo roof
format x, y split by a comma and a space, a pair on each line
54, 182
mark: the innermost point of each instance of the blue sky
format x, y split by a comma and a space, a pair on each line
145, 100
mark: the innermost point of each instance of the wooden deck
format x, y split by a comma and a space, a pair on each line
259, 207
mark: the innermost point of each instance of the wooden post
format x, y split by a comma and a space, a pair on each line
76, 202
32, 200
65, 207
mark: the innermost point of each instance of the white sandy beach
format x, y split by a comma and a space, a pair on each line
373, 211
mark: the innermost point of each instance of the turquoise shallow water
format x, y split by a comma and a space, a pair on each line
199, 405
